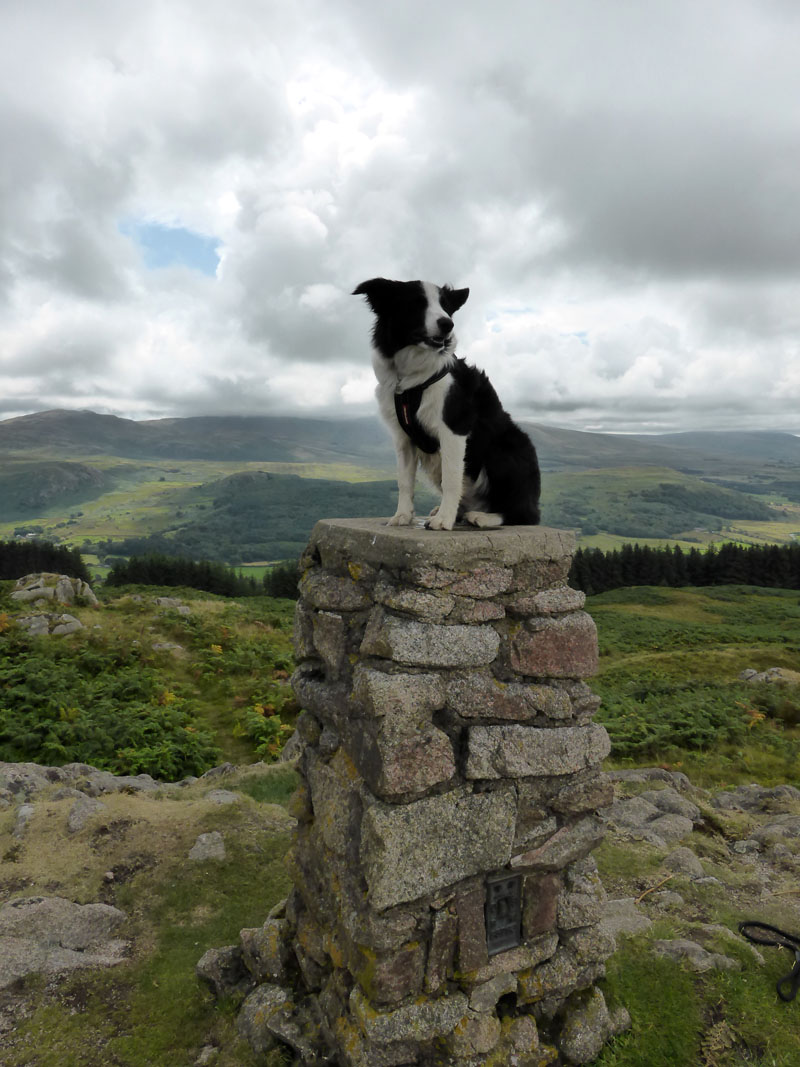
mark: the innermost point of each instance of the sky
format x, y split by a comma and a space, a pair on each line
189, 193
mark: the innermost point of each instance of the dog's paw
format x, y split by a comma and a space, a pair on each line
402, 518
434, 511
438, 522
485, 520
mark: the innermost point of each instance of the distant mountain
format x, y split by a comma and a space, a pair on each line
366, 442
219, 437
744, 447
713, 453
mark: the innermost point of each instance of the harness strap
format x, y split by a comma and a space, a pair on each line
406, 406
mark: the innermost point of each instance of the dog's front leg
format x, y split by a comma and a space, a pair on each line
406, 476
452, 447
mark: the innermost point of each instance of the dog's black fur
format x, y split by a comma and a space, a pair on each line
483, 463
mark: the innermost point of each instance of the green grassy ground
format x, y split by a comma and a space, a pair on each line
669, 678
151, 1010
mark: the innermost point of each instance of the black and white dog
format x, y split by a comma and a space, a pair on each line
444, 414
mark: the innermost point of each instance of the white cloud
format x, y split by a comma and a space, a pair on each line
616, 183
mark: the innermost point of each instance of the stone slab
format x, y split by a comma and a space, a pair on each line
336, 541
516, 751
562, 647
422, 644
409, 851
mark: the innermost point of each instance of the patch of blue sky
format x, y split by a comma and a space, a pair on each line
170, 246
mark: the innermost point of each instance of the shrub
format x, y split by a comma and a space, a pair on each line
98, 706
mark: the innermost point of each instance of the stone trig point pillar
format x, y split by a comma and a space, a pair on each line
445, 902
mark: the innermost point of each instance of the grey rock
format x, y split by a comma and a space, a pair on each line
36, 625
479, 695
256, 1013
169, 646
622, 916
517, 751
747, 847
671, 828
329, 592
681, 949
583, 897
417, 552
782, 828
421, 1021
65, 624
569, 843
223, 971
424, 606
755, 798
220, 771
422, 644
58, 587
408, 699
587, 1026
417, 849
772, 676
223, 797
715, 931
84, 809
484, 997
264, 950
547, 602
330, 633
684, 861
24, 816
667, 898
208, 1054
652, 774
672, 803
476, 1035
51, 935
632, 812
209, 846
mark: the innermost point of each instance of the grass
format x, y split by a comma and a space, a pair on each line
151, 1011
146, 495
230, 672
670, 661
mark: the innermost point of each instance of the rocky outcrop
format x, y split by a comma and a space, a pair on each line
59, 588
45, 590
50, 935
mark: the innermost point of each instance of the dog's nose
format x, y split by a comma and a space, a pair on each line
445, 326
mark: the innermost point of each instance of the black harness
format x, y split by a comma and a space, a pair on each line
406, 405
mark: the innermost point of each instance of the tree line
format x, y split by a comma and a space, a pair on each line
18, 558
205, 575
595, 571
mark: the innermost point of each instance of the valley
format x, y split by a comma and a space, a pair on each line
248, 490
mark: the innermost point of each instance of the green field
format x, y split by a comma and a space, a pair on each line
669, 678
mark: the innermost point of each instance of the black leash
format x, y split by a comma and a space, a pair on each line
764, 934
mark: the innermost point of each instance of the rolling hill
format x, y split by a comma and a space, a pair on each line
270, 438
244, 488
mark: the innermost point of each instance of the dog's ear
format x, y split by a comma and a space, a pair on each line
458, 297
377, 291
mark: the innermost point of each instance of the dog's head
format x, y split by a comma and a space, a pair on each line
412, 313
